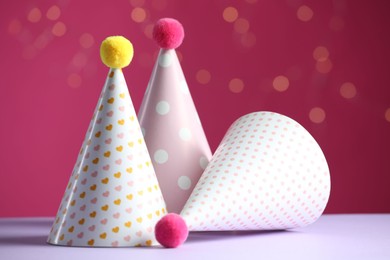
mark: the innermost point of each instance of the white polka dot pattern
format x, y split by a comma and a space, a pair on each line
267, 173
165, 60
185, 134
162, 107
161, 156
184, 182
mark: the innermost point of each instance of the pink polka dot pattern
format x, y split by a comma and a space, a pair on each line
113, 197
173, 132
267, 173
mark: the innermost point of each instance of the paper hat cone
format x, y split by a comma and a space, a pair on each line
267, 173
172, 129
113, 197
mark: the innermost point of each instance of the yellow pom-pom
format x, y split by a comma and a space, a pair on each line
116, 52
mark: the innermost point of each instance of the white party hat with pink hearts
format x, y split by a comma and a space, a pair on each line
113, 198
168, 117
267, 173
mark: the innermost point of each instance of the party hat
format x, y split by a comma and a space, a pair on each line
267, 173
113, 197
169, 120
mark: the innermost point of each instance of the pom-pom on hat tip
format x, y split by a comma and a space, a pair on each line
168, 33
116, 52
171, 230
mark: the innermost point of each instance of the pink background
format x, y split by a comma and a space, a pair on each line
323, 63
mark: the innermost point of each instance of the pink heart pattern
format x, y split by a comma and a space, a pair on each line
94, 210
267, 173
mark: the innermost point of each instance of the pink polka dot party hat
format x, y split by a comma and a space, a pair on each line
113, 198
168, 117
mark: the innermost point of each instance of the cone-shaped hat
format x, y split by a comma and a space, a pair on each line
267, 173
171, 125
113, 197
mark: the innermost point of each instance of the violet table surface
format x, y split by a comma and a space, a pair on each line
358, 236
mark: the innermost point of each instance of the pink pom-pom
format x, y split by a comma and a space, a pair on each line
171, 231
168, 33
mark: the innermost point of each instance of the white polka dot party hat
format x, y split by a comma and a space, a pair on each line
267, 173
168, 117
113, 198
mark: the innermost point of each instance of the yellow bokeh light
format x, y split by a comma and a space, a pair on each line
53, 13
80, 60
59, 29
230, 14
305, 13
324, 67
203, 76
86, 40
236, 85
138, 15
317, 115
42, 40
280, 83
320, 53
387, 114
348, 90
241, 25
34, 15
